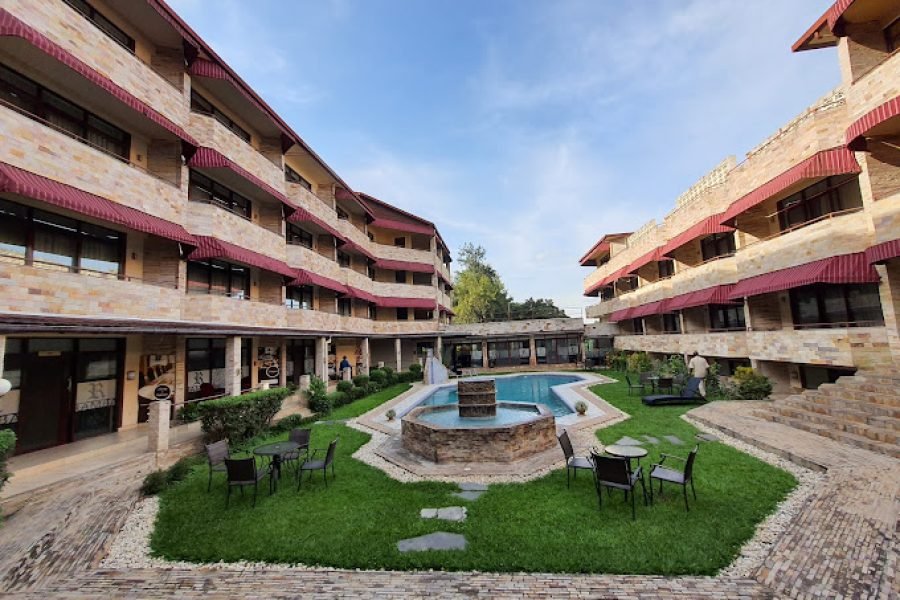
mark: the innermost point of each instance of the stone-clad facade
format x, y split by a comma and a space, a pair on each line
808, 193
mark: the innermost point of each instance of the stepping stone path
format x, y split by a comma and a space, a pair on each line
628, 441
675, 441
707, 437
440, 540
449, 513
650, 439
471, 491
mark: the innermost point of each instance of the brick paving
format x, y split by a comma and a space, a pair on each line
843, 544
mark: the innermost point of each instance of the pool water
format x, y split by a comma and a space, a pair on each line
449, 417
530, 389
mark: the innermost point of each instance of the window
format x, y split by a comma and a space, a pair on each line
341, 213
205, 367
626, 284
671, 323
201, 105
402, 314
298, 236
345, 307
218, 278
727, 316
422, 279
299, 297
423, 315
400, 242
102, 23
34, 237
373, 311
400, 276
637, 326
666, 268
343, 259
824, 305
717, 244
35, 100
832, 194
203, 189
293, 176
892, 36
370, 269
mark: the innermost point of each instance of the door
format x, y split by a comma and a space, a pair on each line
44, 407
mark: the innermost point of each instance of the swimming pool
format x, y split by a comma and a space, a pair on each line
530, 389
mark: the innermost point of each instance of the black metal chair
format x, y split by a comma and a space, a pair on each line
299, 436
634, 386
573, 463
665, 384
316, 465
216, 453
614, 472
682, 478
243, 472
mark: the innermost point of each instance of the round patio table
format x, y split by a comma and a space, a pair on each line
275, 452
627, 452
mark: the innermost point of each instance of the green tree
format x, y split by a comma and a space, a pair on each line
540, 308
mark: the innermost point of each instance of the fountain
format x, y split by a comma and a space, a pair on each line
478, 428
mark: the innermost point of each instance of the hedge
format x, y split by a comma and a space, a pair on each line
237, 418
7, 445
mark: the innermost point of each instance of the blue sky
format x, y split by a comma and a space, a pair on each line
529, 127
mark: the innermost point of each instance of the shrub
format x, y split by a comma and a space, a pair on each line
581, 407
616, 360
674, 366
7, 445
390, 377
345, 386
415, 371
292, 422
188, 413
237, 418
154, 483
639, 362
713, 383
404, 377
390, 414
359, 392
361, 381
337, 399
372, 388
178, 472
747, 384
316, 396
378, 377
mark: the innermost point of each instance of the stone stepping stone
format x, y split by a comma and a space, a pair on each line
629, 441
707, 437
650, 439
675, 441
449, 513
332, 422
473, 487
440, 540
467, 495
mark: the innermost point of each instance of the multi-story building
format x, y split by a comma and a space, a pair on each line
165, 234
787, 261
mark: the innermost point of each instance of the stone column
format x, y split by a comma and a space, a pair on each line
254, 363
282, 363
439, 349
398, 350
532, 351
889, 291
233, 366
322, 358
2, 353
158, 422
485, 359
366, 356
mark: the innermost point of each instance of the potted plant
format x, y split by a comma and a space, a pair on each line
581, 407
390, 414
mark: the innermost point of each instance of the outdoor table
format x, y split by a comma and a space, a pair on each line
276, 451
626, 452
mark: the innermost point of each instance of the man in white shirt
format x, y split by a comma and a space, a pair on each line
699, 368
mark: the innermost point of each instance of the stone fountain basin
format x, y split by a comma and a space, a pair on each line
477, 440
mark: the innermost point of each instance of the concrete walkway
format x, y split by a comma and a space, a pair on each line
843, 544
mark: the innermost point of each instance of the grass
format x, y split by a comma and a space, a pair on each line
364, 405
538, 526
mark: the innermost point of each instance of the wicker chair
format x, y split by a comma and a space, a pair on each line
216, 454
634, 386
682, 478
573, 463
612, 472
243, 472
320, 464
301, 437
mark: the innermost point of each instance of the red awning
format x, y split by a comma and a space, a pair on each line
445, 309
652, 256
402, 226
620, 315
446, 281
708, 226
301, 215
304, 277
25, 183
883, 252
361, 294
209, 158
424, 303
11, 26
210, 247
846, 268
402, 265
613, 277
878, 121
836, 161
355, 248
653, 308
718, 294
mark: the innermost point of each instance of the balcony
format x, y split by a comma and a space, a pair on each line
862, 347
396, 253
353, 233
206, 308
215, 221
40, 148
306, 258
64, 26
29, 289
726, 344
312, 320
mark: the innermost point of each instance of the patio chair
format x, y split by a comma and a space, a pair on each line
689, 395
243, 472
634, 386
666, 384
573, 463
613, 472
644, 379
320, 464
299, 436
682, 478
216, 454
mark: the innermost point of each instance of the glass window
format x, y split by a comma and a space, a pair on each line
666, 268
345, 307
299, 297
101, 250
726, 316
830, 195
13, 231
343, 259
824, 305
400, 242
718, 244
293, 176
218, 278
671, 323
402, 314
373, 311
400, 276
102, 23
341, 213
203, 189
298, 236
637, 326
202, 105
205, 367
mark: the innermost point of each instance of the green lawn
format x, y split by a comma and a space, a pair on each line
536, 526
364, 405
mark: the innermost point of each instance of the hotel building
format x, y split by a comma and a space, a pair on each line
164, 234
789, 260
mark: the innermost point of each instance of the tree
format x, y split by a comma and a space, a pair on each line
479, 294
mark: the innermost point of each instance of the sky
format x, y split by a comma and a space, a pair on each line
528, 127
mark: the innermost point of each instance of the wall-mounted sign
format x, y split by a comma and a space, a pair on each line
269, 369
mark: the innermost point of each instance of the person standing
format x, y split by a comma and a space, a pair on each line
699, 367
345, 364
